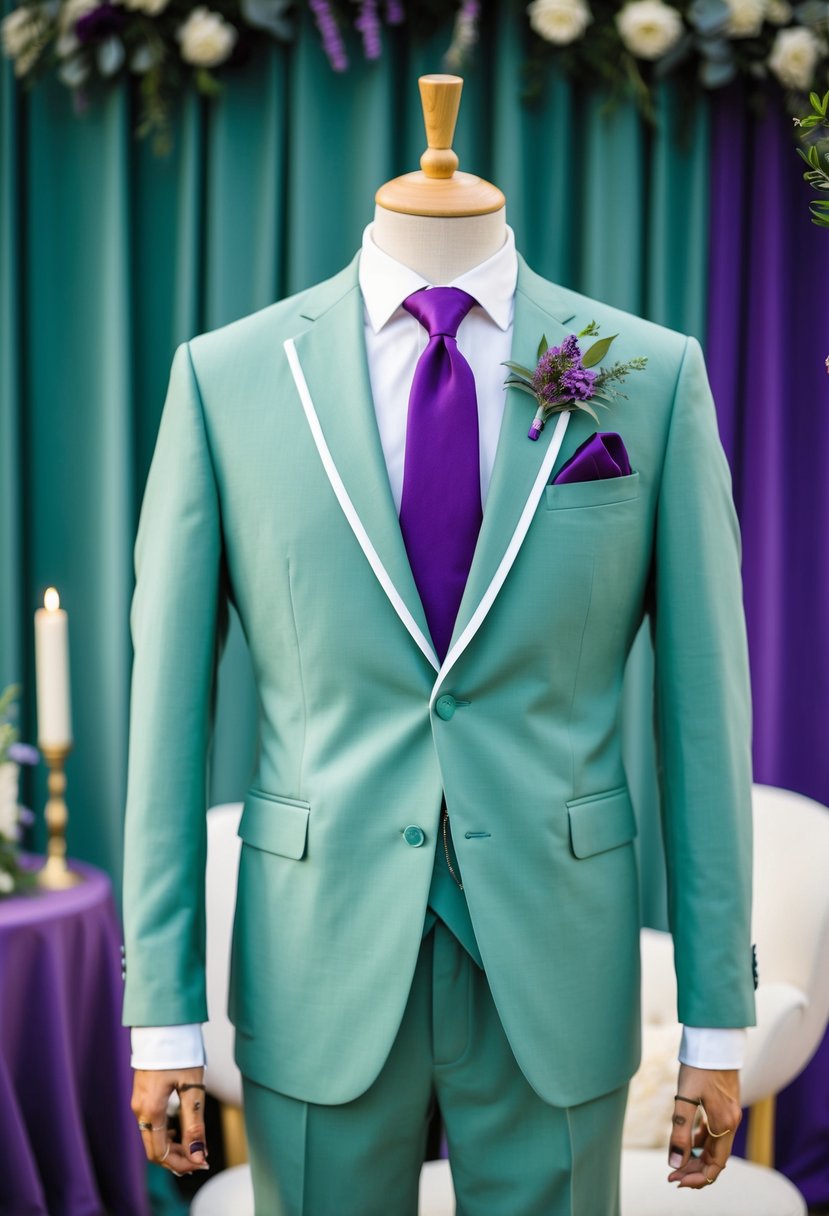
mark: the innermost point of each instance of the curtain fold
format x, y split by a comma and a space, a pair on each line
767, 342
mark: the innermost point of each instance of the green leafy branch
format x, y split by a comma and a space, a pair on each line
817, 154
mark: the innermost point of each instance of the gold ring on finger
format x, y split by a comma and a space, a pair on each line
148, 1127
714, 1135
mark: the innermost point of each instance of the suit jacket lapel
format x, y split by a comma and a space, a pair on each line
329, 365
330, 368
517, 481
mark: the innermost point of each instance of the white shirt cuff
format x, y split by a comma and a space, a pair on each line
712, 1047
167, 1046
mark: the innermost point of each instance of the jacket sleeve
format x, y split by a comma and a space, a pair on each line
703, 715
178, 622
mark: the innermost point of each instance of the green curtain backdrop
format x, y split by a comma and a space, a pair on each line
109, 257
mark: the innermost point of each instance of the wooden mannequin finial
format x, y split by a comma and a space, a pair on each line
439, 189
441, 99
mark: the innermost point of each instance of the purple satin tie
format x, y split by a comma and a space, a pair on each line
440, 509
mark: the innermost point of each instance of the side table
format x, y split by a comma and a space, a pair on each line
69, 1143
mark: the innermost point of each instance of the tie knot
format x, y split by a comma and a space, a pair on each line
439, 309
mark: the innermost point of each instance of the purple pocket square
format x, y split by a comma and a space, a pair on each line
601, 455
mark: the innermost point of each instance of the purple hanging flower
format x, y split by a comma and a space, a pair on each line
332, 42
395, 14
100, 23
25, 816
464, 34
23, 753
368, 23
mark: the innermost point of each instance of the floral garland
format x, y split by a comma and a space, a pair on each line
628, 47
707, 43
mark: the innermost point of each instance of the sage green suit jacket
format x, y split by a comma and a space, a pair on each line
268, 489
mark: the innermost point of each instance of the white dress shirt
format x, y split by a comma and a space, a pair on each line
394, 342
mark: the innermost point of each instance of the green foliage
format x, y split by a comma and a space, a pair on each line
816, 154
595, 353
9, 733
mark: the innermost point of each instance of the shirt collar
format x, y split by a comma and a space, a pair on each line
385, 283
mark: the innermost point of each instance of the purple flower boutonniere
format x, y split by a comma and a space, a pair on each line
563, 378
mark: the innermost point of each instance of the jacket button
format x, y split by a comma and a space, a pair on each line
414, 835
445, 706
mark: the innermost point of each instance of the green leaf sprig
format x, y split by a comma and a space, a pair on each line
816, 155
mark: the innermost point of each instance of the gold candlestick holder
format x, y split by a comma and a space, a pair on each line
54, 874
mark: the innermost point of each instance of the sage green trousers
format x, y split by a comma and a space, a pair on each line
511, 1153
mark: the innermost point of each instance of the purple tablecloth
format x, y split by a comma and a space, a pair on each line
69, 1143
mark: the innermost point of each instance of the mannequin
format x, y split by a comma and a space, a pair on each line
439, 222
355, 1012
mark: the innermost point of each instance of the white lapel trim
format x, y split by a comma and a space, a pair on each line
516, 540
349, 510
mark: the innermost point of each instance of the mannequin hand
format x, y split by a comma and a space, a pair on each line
719, 1118
150, 1095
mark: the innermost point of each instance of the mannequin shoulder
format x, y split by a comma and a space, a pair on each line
258, 333
576, 310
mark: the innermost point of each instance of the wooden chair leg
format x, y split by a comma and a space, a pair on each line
760, 1136
233, 1134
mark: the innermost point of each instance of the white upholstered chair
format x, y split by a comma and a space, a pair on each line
791, 929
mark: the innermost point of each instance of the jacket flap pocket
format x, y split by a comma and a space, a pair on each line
601, 821
275, 823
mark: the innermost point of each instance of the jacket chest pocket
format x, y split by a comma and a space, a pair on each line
581, 495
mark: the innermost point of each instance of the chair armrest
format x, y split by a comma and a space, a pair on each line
774, 1047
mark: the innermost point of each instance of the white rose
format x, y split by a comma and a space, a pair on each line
559, 21
649, 28
778, 12
6, 883
746, 18
9, 777
206, 38
150, 7
794, 56
72, 11
66, 44
23, 31
16, 31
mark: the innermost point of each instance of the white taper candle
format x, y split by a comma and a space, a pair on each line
54, 713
